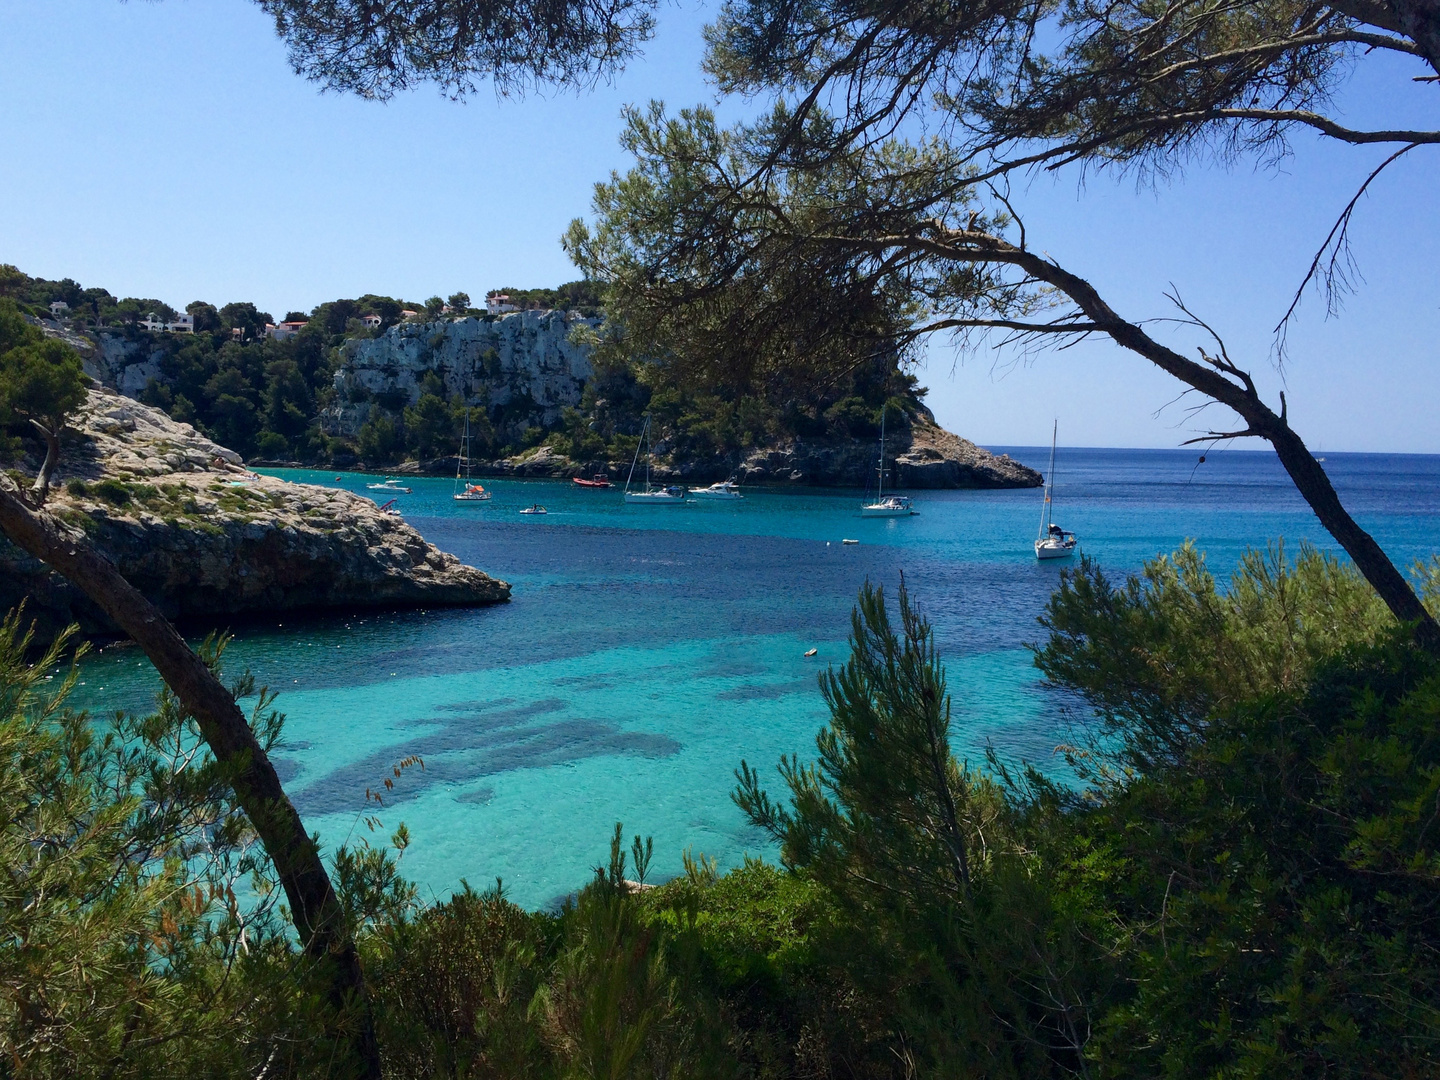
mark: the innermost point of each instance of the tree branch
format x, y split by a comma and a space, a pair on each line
971, 246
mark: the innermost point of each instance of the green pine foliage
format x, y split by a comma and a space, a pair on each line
1241, 880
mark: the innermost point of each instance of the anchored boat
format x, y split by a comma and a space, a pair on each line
886, 505
1053, 541
672, 495
470, 492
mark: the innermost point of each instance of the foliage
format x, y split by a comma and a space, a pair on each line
1270, 875
353, 47
42, 383
1162, 653
1243, 884
138, 917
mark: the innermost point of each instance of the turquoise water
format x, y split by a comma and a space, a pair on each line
647, 650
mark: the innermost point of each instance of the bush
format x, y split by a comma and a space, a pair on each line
112, 491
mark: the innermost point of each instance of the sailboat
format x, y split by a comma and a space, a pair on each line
1053, 541
471, 492
651, 496
886, 505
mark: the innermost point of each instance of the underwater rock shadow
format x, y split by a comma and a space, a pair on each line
469, 747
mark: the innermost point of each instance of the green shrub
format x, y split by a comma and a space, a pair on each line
112, 491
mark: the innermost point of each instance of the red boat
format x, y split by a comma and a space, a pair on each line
599, 480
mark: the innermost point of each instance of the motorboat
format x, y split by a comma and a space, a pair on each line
725, 489
390, 484
536, 509
651, 495
885, 505
599, 480
466, 490
1053, 541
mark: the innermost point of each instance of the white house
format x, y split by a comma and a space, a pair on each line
499, 303
59, 308
286, 329
181, 324
372, 322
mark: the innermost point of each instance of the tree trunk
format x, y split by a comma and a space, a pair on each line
40, 490
1232, 387
313, 903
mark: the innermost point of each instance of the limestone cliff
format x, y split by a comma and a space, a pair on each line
204, 538
523, 366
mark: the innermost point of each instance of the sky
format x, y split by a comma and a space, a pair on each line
166, 149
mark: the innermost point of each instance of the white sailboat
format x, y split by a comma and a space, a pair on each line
470, 492
672, 495
886, 505
1053, 541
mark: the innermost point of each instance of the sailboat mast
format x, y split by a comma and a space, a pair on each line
643, 430
880, 492
1049, 482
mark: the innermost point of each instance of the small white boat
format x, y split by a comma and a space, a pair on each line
390, 484
672, 495
886, 505
726, 489
536, 509
889, 506
471, 491
849, 541
1053, 541
390, 508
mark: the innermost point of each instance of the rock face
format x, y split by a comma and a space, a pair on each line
202, 537
922, 456
925, 456
523, 365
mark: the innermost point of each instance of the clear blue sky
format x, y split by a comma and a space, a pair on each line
165, 149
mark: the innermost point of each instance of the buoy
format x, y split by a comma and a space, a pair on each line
812, 652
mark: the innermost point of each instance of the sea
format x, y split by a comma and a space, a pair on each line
649, 650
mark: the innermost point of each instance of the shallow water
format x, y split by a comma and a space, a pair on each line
647, 650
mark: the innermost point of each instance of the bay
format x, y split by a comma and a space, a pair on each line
648, 650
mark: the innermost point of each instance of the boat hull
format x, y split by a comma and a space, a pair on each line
471, 498
887, 510
654, 498
716, 496
1047, 550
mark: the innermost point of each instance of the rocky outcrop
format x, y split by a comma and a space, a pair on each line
523, 366
924, 455
203, 538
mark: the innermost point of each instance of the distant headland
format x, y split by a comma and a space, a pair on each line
386, 384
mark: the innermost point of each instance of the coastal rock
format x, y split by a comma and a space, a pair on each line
925, 455
524, 366
203, 538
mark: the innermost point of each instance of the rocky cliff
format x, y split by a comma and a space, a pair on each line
202, 537
523, 366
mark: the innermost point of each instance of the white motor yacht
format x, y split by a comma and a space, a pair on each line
726, 489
